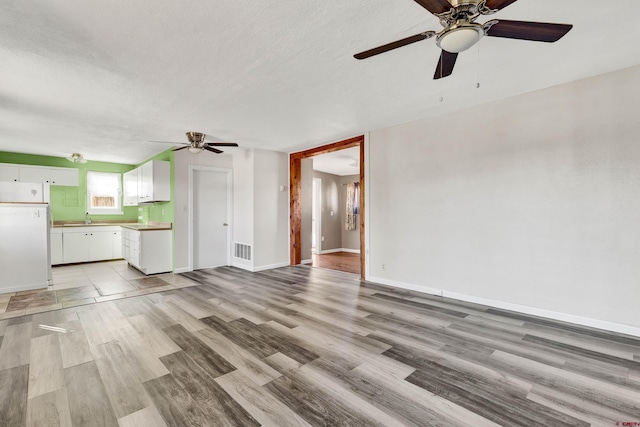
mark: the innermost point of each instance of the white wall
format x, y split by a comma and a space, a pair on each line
243, 202
531, 201
271, 209
182, 160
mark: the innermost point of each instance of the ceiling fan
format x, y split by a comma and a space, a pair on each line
197, 143
462, 32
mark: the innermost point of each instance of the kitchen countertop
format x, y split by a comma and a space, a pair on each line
131, 225
150, 226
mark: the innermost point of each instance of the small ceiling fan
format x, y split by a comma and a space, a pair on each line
197, 143
462, 32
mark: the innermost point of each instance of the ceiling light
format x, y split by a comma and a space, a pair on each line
77, 158
460, 37
195, 150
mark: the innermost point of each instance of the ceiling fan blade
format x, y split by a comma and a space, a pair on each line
213, 150
394, 45
182, 148
171, 142
221, 144
445, 64
534, 31
498, 4
435, 6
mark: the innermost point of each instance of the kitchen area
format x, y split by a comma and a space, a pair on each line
48, 263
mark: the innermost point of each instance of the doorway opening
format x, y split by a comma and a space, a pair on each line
327, 206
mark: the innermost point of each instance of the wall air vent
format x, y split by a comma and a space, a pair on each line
242, 251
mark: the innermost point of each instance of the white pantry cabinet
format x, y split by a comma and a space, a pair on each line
150, 251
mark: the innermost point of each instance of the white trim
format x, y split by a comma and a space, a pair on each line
316, 211
28, 287
229, 173
549, 314
306, 261
351, 251
332, 251
523, 309
404, 285
182, 270
260, 268
367, 206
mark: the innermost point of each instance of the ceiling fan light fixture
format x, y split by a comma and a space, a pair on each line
195, 150
77, 158
460, 37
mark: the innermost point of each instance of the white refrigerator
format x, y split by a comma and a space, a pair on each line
24, 238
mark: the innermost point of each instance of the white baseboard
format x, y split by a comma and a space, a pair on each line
271, 266
403, 285
351, 251
260, 268
540, 312
333, 251
182, 270
306, 261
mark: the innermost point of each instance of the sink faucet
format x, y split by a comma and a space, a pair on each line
87, 220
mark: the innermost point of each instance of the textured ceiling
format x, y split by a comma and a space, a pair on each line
342, 162
104, 78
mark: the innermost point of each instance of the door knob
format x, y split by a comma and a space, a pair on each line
225, 224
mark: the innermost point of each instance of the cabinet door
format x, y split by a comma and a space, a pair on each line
100, 245
34, 174
66, 176
9, 173
130, 188
161, 181
56, 249
75, 247
145, 182
116, 244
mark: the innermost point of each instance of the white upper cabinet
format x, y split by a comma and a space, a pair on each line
154, 182
9, 173
130, 188
44, 174
35, 174
64, 176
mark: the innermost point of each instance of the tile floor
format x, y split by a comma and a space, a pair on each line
80, 284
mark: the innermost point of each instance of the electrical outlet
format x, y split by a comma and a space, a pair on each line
322, 238
162, 212
384, 267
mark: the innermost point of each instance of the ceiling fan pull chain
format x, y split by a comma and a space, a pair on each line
478, 65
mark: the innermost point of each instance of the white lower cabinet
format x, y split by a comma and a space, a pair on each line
150, 251
92, 243
55, 244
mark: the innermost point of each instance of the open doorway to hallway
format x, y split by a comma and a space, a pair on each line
335, 235
327, 206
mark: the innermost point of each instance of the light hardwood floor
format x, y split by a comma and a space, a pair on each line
304, 346
341, 261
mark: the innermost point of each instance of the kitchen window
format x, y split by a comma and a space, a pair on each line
104, 191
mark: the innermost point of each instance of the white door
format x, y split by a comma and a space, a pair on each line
210, 229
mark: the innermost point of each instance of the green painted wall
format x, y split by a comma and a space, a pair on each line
161, 211
70, 203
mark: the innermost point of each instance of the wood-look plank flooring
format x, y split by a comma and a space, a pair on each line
341, 261
302, 346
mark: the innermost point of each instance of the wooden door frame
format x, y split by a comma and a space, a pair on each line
295, 192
